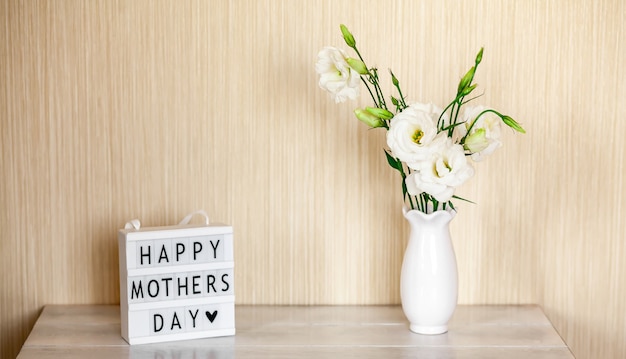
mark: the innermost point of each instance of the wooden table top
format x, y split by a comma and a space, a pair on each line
93, 331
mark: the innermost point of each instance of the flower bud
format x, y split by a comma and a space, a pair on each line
511, 123
477, 141
347, 36
394, 80
368, 119
380, 113
465, 81
468, 89
479, 56
357, 65
394, 101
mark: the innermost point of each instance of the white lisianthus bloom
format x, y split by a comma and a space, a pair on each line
336, 76
484, 135
411, 133
439, 175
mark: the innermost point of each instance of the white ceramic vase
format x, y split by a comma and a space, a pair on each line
429, 278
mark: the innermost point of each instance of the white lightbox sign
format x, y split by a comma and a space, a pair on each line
176, 282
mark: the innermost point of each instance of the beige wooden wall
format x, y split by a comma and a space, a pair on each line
113, 110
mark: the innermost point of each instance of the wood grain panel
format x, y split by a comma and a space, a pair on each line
113, 110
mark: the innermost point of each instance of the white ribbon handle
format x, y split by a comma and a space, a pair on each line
133, 224
190, 215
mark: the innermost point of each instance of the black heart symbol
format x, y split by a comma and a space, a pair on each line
211, 316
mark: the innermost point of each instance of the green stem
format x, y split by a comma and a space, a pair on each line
379, 91
373, 78
456, 116
439, 123
476, 120
404, 184
402, 101
369, 90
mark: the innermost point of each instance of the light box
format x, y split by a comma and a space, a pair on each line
176, 283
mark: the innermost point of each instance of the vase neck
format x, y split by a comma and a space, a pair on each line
437, 218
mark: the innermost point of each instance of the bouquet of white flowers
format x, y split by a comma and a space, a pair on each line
428, 145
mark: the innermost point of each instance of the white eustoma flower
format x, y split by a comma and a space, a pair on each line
484, 135
336, 76
439, 175
411, 133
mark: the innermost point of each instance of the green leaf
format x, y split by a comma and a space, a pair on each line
462, 199
393, 162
